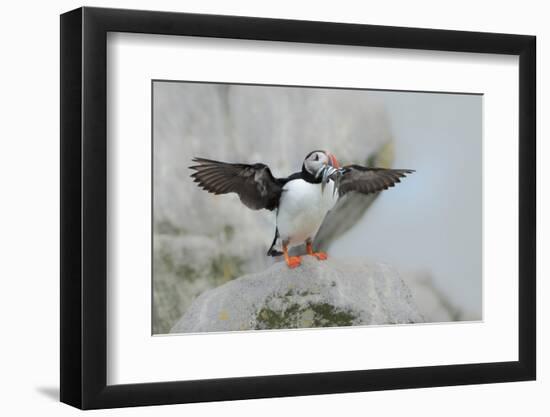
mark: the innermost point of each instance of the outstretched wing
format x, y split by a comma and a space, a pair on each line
367, 180
254, 184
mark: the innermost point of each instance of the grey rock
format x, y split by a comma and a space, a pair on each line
316, 294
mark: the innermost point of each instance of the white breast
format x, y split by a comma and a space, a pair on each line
302, 209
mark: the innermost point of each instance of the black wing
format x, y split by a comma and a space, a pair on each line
254, 184
368, 180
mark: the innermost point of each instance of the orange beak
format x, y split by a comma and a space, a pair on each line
333, 160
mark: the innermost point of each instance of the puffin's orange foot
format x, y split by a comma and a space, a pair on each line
322, 256
293, 261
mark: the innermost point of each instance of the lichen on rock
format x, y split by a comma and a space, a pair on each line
298, 310
316, 294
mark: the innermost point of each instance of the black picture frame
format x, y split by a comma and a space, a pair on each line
84, 207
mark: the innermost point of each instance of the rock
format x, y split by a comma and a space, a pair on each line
316, 294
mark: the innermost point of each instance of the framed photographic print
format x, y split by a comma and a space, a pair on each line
258, 207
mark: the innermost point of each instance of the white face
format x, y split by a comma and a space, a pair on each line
314, 162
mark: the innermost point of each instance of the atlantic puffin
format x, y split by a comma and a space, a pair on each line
301, 200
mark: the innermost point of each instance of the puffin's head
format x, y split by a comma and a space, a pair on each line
317, 163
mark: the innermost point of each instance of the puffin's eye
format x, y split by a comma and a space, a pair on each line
316, 157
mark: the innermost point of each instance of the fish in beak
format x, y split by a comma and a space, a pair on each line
328, 170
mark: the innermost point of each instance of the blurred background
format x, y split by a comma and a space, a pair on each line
429, 226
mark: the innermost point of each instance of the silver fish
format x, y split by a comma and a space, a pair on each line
327, 172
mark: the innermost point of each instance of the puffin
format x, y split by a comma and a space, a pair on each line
300, 201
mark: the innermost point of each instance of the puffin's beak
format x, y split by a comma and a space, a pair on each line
333, 161
330, 168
